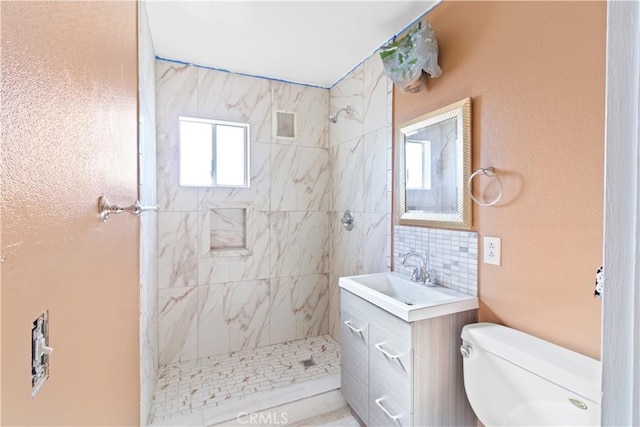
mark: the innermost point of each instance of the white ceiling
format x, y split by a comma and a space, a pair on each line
310, 42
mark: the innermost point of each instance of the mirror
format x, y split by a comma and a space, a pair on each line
433, 154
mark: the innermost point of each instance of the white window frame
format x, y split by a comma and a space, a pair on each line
214, 123
426, 174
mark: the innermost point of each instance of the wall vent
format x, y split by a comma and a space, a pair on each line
284, 124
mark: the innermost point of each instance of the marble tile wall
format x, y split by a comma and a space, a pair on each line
453, 254
277, 290
360, 146
360, 151
149, 346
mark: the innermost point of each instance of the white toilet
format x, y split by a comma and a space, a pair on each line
515, 379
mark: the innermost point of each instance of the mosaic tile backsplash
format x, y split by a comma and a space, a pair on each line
453, 255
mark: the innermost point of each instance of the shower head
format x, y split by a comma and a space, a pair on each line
333, 118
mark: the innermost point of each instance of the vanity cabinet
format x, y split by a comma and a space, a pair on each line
400, 373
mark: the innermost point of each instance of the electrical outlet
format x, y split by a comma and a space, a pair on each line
491, 251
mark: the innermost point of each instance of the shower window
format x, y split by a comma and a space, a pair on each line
213, 153
418, 164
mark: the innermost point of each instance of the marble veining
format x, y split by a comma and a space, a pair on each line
349, 91
213, 330
172, 197
346, 176
303, 185
301, 301
361, 177
176, 95
348, 246
374, 260
246, 312
375, 167
178, 324
228, 226
216, 301
255, 263
228, 96
311, 105
177, 249
299, 243
375, 94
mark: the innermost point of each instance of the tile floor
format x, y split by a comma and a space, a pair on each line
323, 410
212, 389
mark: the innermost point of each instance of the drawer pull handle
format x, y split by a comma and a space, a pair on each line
391, 417
353, 328
386, 353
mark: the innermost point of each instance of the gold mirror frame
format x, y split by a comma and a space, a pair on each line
460, 110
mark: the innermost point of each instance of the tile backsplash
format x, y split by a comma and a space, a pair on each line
453, 255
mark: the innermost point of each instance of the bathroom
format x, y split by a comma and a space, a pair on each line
123, 309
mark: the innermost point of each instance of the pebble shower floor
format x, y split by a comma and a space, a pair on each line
216, 381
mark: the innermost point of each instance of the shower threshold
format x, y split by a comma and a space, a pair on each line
215, 389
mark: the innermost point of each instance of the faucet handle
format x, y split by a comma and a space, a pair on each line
415, 276
414, 269
430, 279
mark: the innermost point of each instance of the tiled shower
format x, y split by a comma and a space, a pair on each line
283, 289
215, 302
284, 286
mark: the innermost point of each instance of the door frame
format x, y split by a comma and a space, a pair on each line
621, 300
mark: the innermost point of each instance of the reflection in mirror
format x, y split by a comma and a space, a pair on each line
434, 156
213, 153
430, 154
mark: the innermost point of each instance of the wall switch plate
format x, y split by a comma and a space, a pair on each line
492, 249
40, 351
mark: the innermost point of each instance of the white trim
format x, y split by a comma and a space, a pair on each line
621, 301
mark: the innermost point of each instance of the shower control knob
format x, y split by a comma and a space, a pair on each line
347, 220
466, 350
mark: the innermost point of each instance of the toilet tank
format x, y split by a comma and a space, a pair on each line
515, 379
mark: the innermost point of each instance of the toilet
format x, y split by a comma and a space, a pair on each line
515, 379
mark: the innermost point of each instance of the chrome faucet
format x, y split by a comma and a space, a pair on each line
421, 273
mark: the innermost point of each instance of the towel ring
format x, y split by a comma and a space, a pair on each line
490, 172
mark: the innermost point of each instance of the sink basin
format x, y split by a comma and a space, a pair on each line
405, 299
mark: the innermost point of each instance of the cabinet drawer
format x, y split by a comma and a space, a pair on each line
391, 367
385, 410
354, 391
384, 321
354, 363
354, 335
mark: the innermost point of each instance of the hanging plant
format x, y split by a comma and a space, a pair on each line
405, 58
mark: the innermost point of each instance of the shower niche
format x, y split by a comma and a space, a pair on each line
226, 230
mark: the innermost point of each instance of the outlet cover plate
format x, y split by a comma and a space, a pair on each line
492, 250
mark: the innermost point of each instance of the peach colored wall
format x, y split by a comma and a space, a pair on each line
536, 75
69, 134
